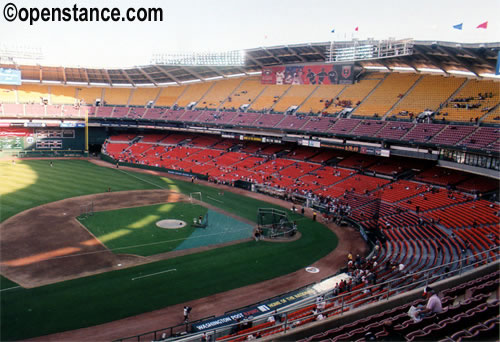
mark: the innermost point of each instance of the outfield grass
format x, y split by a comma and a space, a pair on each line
30, 183
105, 297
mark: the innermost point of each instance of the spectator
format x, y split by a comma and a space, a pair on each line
434, 304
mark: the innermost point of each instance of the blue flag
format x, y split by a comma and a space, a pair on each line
458, 26
333, 30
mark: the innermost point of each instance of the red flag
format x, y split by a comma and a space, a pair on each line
357, 28
483, 25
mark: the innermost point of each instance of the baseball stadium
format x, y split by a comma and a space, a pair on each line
299, 192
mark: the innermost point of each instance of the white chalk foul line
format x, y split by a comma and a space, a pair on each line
152, 274
10, 288
141, 179
214, 199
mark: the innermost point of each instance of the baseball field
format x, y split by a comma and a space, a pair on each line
49, 248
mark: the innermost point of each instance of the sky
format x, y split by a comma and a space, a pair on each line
223, 25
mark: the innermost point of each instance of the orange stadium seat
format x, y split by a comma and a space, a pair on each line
169, 95
141, 96
116, 96
429, 93
88, 95
386, 95
194, 93
271, 95
316, 103
8, 94
294, 97
469, 96
248, 90
355, 93
30, 93
62, 95
219, 93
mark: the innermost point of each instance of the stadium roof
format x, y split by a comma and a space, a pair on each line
444, 57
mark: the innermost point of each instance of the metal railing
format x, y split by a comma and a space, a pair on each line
378, 292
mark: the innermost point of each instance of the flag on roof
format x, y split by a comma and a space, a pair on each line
483, 25
458, 26
333, 30
356, 29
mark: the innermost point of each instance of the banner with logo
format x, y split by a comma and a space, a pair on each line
308, 74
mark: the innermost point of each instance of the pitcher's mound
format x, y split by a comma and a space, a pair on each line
171, 224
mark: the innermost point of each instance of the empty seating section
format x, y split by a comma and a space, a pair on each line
451, 135
62, 95
478, 184
394, 86
11, 109
116, 96
35, 110
8, 94
321, 99
294, 97
442, 176
248, 90
399, 190
301, 153
137, 112
218, 94
474, 100
394, 166
191, 115
423, 133
193, 93
268, 120
483, 137
169, 95
394, 130
89, 95
141, 96
245, 119
361, 184
318, 124
468, 214
436, 198
104, 112
344, 126
155, 113
292, 122
120, 112
355, 93
28, 93
269, 97
358, 161
219, 118
493, 116
368, 128
429, 93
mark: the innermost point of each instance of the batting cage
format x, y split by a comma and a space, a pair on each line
86, 210
274, 223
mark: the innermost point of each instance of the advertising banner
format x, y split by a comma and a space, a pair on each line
308, 74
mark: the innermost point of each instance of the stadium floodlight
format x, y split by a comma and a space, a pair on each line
236, 75
13, 53
213, 78
489, 75
191, 81
398, 68
228, 58
375, 67
461, 72
431, 70
358, 50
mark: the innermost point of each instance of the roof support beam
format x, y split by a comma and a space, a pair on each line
193, 73
431, 59
108, 77
168, 74
127, 77
148, 77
